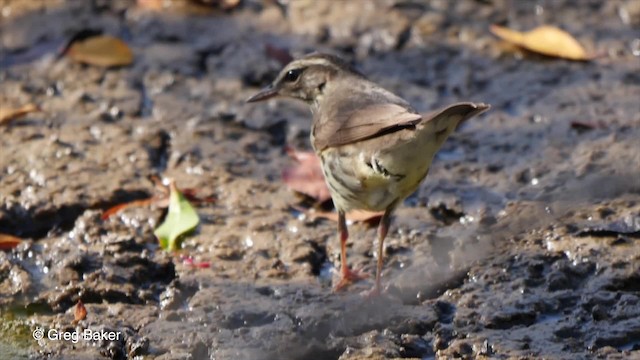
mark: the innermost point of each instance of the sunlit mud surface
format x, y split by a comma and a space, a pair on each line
523, 242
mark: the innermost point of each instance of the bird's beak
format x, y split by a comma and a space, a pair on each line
264, 94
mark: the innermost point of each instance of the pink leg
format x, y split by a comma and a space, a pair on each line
347, 276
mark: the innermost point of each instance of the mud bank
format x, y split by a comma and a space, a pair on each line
522, 243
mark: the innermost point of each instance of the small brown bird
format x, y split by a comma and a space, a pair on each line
375, 149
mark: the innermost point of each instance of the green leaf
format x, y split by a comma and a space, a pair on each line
181, 218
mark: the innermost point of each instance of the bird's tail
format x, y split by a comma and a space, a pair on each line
441, 124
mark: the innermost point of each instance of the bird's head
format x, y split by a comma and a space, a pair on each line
306, 78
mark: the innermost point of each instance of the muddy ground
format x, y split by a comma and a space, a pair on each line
523, 243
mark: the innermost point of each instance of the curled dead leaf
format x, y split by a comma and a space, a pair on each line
151, 4
582, 126
7, 115
228, 4
131, 204
80, 312
196, 7
101, 50
306, 176
159, 199
546, 40
8, 242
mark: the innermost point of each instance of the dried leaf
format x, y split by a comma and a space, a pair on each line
151, 4
220, 4
181, 218
546, 40
8, 242
196, 7
192, 196
160, 199
228, 4
7, 115
102, 50
135, 203
582, 126
353, 216
80, 312
306, 175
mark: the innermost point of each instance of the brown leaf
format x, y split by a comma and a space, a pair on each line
546, 40
7, 115
135, 203
353, 216
80, 312
196, 7
581, 126
192, 195
102, 50
8, 242
151, 4
160, 199
221, 4
306, 176
228, 4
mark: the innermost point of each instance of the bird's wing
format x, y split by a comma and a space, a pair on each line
455, 114
364, 123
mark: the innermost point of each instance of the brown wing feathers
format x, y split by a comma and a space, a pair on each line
371, 121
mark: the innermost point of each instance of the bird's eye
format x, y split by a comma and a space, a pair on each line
292, 75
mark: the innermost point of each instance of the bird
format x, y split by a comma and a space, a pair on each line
374, 147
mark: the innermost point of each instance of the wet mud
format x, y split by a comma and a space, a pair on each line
523, 242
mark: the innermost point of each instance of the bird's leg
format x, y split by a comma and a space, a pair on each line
383, 228
347, 276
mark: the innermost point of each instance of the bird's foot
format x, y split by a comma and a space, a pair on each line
348, 277
373, 293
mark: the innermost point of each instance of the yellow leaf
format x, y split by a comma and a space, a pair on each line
103, 50
7, 115
546, 40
